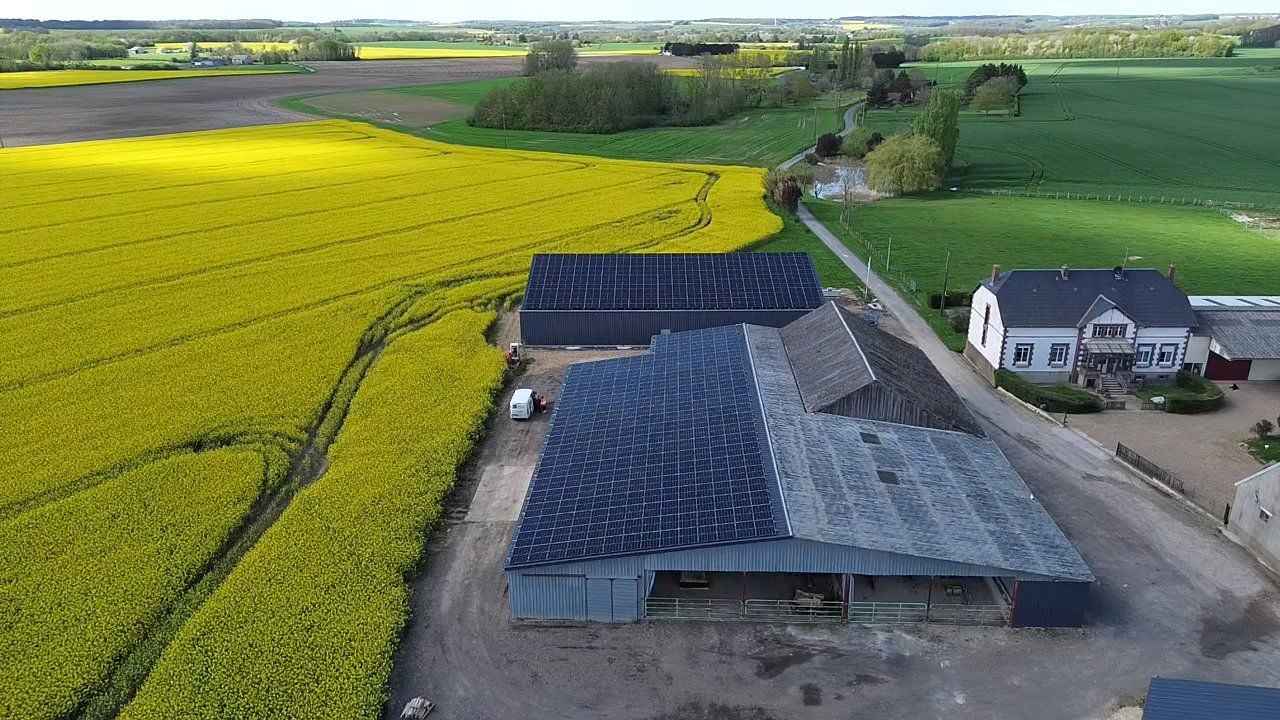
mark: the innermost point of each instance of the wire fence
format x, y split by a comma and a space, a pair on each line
1123, 197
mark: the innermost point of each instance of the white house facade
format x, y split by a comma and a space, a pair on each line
1107, 329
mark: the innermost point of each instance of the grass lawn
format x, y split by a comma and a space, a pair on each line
1214, 254
1266, 449
795, 236
761, 137
1181, 127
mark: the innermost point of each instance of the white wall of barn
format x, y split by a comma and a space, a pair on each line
990, 350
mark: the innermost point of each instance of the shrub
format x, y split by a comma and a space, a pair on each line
858, 142
1262, 428
1050, 398
828, 145
811, 158
904, 164
955, 298
1193, 394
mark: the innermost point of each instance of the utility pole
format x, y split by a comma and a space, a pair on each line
946, 275
888, 255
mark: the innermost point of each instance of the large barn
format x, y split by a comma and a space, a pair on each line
626, 299
821, 471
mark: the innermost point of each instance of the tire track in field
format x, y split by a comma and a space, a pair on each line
407, 278
283, 216
319, 247
97, 182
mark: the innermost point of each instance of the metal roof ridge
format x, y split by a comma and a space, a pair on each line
856, 344
768, 431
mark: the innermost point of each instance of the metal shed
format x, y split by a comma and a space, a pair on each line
1169, 699
626, 299
701, 458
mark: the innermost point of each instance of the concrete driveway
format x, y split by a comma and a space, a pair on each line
1202, 450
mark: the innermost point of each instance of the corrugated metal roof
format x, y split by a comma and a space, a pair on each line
956, 498
834, 354
672, 281
1242, 302
1043, 298
1242, 334
1170, 699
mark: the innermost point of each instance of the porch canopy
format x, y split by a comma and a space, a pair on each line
1102, 347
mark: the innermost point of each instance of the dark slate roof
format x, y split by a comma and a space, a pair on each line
705, 441
834, 353
1169, 699
656, 281
954, 496
663, 451
1252, 334
1042, 298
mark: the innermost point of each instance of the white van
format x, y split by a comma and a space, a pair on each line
523, 404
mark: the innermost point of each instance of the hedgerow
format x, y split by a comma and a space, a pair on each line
1050, 398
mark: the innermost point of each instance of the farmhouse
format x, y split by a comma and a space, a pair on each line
749, 472
1105, 329
1237, 337
626, 299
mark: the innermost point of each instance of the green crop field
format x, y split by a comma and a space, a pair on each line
1202, 129
760, 137
795, 236
1213, 253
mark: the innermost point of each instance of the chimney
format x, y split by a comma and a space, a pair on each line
995, 274
1173, 271
1066, 272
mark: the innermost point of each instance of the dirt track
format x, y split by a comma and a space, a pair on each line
40, 116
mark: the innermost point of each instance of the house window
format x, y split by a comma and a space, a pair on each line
986, 323
1168, 352
1022, 354
1109, 331
1144, 355
1058, 354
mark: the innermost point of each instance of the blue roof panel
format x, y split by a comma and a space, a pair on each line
1170, 699
661, 451
651, 281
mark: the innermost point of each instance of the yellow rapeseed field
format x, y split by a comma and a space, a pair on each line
61, 78
177, 313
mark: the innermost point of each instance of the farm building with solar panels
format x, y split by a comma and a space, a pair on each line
823, 471
606, 300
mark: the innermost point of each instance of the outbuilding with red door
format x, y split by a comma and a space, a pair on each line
1237, 338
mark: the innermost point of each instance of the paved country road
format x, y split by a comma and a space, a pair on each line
39, 116
850, 122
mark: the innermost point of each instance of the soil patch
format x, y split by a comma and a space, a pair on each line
389, 106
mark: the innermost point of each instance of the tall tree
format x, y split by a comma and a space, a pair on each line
940, 122
550, 55
904, 164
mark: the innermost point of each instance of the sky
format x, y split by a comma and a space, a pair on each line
440, 11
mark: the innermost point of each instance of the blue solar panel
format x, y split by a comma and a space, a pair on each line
655, 452
755, 281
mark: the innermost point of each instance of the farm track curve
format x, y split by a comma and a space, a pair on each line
40, 116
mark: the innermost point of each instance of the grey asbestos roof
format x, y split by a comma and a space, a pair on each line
834, 353
952, 496
1252, 334
1043, 298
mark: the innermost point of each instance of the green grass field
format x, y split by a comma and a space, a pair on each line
1213, 253
1184, 128
796, 237
761, 137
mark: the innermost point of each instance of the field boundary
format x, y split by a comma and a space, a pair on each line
1122, 197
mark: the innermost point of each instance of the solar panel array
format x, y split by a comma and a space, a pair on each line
754, 281
656, 452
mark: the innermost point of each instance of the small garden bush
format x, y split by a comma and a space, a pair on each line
1050, 398
1190, 395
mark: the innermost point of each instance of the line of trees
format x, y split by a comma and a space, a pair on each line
1081, 44
918, 161
1263, 37
683, 49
